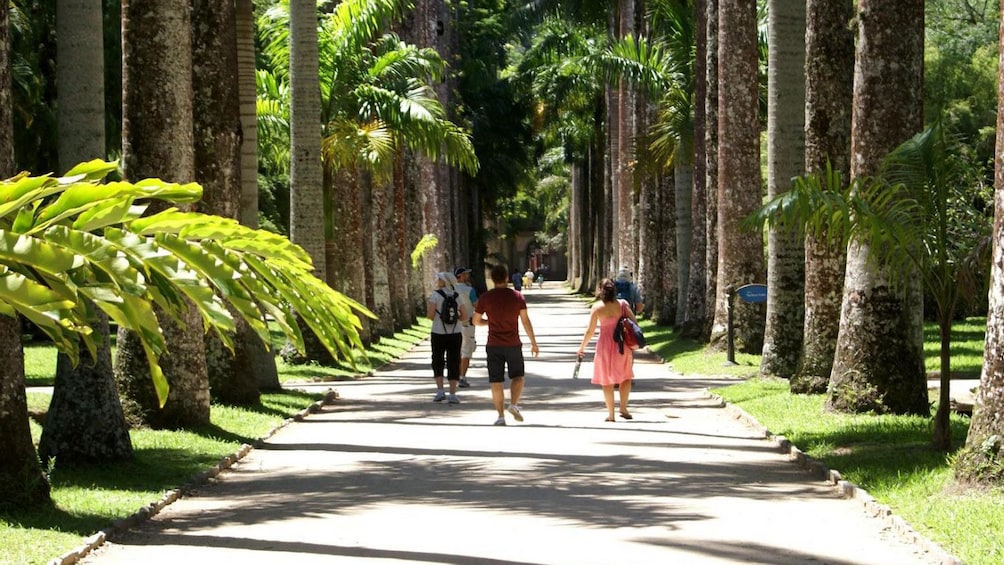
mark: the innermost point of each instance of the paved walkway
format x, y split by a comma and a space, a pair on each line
384, 475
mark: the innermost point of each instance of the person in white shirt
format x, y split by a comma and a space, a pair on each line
468, 344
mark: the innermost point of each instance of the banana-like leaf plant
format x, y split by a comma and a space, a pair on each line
74, 243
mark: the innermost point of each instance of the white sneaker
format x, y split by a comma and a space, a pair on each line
514, 410
452, 399
440, 396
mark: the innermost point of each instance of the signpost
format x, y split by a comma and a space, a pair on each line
752, 293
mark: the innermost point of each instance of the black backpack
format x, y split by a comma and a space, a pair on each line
449, 311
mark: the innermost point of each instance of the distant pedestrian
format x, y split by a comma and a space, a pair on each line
611, 366
469, 343
500, 309
447, 312
528, 279
628, 290
517, 280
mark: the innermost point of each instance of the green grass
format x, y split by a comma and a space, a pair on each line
888, 456
967, 348
90, 499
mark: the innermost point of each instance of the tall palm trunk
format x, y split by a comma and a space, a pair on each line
695, 300
879, 363
980, 461
683, 190
249, 123
740, 259
262, 358
157, 141
710, 285
400, 257
85, 421
344, 256
785, 160
381, 212
829, 89
306, 192
22, 483
217, 120
622, 154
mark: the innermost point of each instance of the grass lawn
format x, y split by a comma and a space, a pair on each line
888, 456
88, 500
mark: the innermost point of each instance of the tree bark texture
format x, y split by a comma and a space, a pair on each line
664, 310
80, 72
625, 231
344, 258
829, 89
85, 422
249, 124
381, 212
740, 259
306, 223
157, 142
785, 160
400, 253
22, 483
702, 327
683, 188
695, 314
218, 160
878, 364
982, 458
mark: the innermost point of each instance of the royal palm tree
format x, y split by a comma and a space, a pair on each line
157, 142
218, 148
884, 374
740, 257
84, 421
785, 160
22, 483
980, 461
829, 87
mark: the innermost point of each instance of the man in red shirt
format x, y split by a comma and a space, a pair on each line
500, 308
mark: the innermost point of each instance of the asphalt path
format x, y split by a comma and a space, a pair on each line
385, 475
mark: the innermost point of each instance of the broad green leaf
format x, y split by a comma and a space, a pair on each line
20, 249
93, 170
25, 189
156, 188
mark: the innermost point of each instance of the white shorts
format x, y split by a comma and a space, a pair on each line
468, 345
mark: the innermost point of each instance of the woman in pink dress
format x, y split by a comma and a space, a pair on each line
611, 366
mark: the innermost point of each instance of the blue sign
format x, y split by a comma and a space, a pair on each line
753, 293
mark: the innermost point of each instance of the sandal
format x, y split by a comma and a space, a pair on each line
610, 420
627, 415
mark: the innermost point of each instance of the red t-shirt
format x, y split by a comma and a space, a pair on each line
503, 306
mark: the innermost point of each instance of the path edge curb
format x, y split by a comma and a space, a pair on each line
122, 525
847, 489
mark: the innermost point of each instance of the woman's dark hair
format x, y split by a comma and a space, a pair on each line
606, 292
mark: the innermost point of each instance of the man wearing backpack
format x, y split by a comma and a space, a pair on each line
447, 313
628, 290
